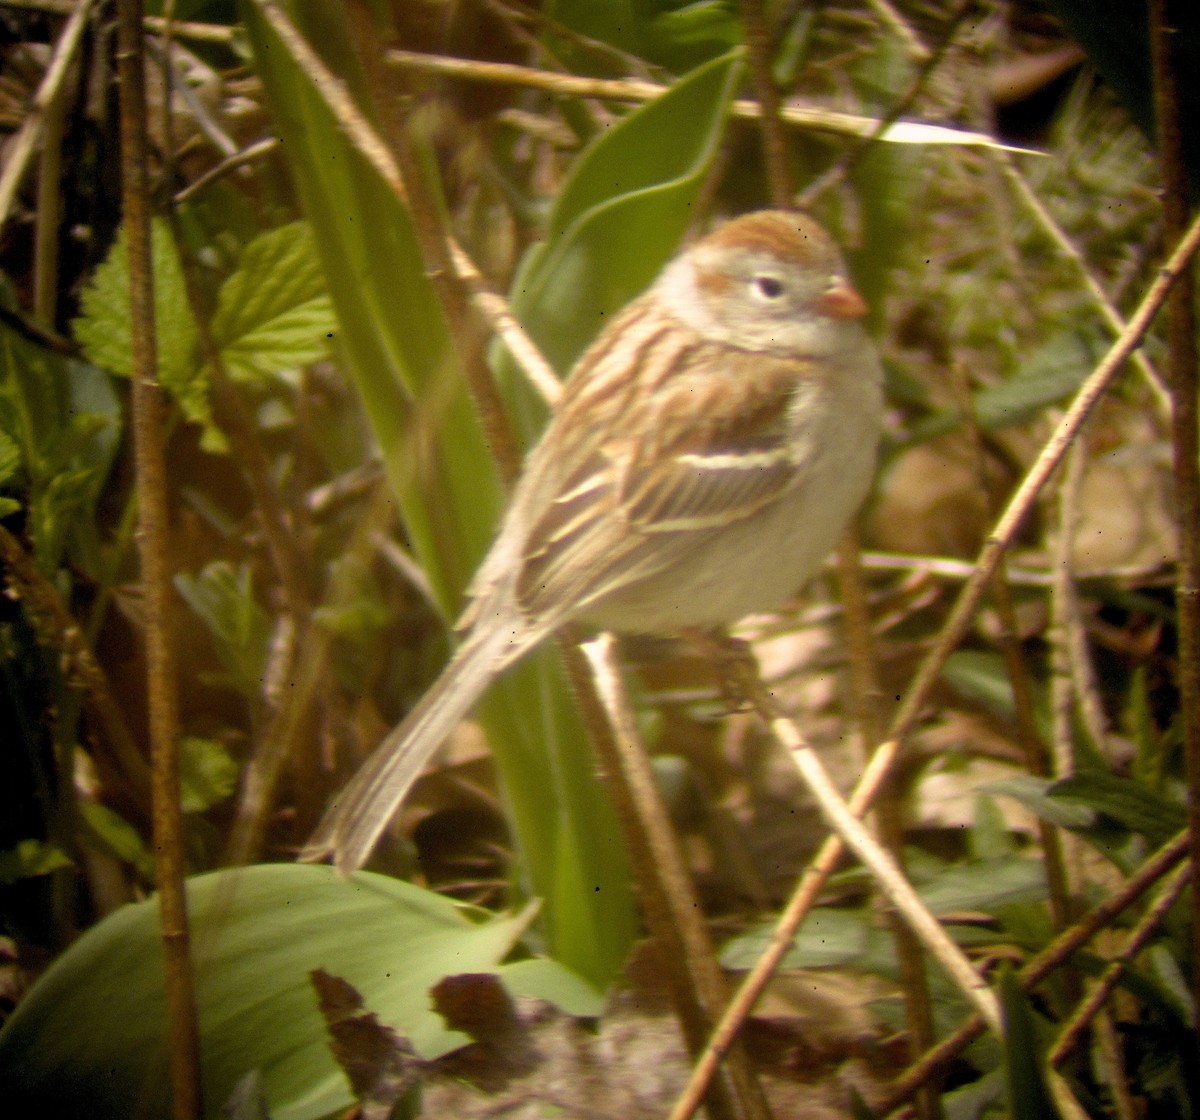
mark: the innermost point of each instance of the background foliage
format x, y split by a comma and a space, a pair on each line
335, 480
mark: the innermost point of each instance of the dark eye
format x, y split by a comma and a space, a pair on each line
768, 287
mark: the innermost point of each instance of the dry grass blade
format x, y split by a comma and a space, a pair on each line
24, 144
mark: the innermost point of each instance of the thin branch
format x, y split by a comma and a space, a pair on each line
1004, 531
182, 29
1074, 682
854, 152
1139, 937
889, 810
672, 910
636, 90
247, 155
1063, 243
887, 876
57, 629
161, 671
757, 36
899, 27
1052, 957
1166, 16
805, 896
1018, 575
50, 203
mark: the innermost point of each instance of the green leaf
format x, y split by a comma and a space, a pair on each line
112, 833
1125, 801
827, 938
543, 978
619, 217
274, 313
1053, 372
89, 1038
104, 328
29, 859
64, 419
10, 457
208, 773
223, 597
1033, 794
1028, 1097
354, 605
990, 836
981, 676
983, 884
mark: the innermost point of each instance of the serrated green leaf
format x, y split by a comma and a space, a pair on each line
89, 1038
208, 773
223, 597
274, 313
104, 332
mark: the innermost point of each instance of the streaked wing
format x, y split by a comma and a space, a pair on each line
648, 491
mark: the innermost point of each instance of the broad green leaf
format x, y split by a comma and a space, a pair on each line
89, 1040
104, 327
223, 597
274, 313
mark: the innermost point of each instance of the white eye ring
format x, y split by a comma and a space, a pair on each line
768, 287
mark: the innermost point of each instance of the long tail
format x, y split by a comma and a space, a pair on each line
353, 823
